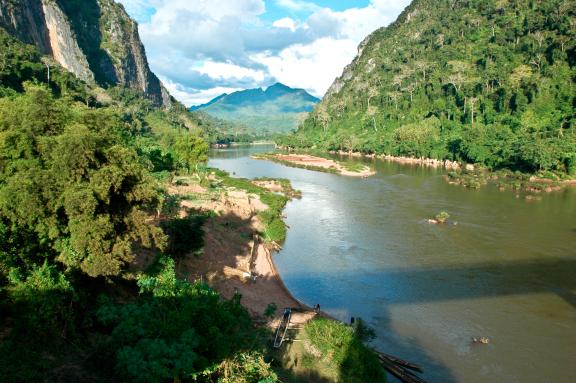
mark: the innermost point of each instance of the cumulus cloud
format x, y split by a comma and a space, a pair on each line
298, 5
285, 23
202, 47
192, 96
310, 66
230, 71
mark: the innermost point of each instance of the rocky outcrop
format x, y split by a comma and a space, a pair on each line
63, 44
348, 72
94, 39
120, 39
25, 20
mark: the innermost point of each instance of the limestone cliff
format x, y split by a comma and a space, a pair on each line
94, 39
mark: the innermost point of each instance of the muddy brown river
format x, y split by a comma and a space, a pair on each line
506, 271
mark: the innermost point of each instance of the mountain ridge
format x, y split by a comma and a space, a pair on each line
486, 82
278, 108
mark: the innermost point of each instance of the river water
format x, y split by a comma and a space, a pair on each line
507, 270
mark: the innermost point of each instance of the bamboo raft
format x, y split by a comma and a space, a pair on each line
400, 368
282, 328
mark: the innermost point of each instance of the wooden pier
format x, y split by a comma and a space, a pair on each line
282, 328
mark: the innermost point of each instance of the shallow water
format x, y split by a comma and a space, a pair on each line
507, 270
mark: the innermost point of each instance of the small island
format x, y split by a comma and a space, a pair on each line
306, 161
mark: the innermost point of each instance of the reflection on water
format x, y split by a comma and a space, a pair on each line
507, 271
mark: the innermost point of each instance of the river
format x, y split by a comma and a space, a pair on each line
507, 270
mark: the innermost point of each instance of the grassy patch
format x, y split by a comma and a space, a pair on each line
329, 351
274, 226
355, 167
285, 184
342, 348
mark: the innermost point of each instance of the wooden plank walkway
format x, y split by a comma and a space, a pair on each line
282, 328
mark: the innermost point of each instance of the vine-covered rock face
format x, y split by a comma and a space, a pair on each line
477, 81
94, 39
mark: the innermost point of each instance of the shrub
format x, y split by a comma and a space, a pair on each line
442, 217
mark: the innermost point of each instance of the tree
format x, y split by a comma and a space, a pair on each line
44, 299
66, 176
480, 63
190, 151
460, 74
175, 330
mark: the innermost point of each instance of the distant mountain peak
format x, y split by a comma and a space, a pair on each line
278, 108
279, 85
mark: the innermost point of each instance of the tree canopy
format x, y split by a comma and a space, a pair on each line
495, 76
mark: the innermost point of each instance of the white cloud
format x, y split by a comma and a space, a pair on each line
298, 5
195, 97
312, 66
201, 47
201, 29
229, 71
285, 23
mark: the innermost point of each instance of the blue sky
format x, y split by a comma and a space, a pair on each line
202, 48
274, 11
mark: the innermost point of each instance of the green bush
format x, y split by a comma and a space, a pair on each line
343, 348
248, 367
43, 301
442, 217
176, 329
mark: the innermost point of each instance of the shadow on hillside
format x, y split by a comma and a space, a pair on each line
85, 18
227, 243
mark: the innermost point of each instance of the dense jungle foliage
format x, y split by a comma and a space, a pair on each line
481, 81
78, 185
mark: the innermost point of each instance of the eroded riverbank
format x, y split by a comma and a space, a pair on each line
235, 258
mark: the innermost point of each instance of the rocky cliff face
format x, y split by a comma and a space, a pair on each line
63, 44
94, 39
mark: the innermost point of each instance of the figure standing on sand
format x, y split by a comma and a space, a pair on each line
317, 308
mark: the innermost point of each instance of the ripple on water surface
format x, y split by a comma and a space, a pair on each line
506, 271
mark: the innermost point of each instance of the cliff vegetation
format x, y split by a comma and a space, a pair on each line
489, 82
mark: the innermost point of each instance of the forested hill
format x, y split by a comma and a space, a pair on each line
83, 173
94, 39
481, 81
278, 109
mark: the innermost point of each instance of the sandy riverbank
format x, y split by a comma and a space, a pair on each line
234, 259
307, 161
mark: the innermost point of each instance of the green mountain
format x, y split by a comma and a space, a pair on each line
95, 40
481, 81
278, 109
84, 167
